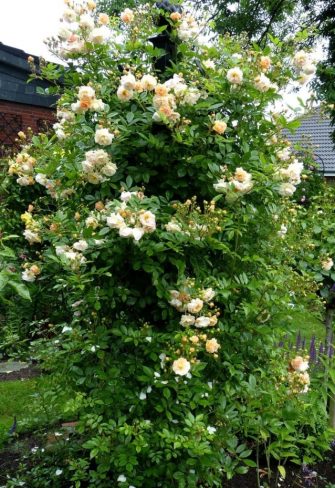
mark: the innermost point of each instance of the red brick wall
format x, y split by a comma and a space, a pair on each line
17, 116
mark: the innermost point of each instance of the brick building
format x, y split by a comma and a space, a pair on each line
20, 105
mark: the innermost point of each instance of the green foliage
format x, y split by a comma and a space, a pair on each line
173, 229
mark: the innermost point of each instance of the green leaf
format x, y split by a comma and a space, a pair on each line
20, 289
282, 471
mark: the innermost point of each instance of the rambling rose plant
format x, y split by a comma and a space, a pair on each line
162, 191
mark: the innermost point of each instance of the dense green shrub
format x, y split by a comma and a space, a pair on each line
160, 218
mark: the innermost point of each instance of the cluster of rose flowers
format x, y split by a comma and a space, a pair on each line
298, 378
97, 166
64, 117
305, 65
87, 101
167, 96
187, 29
30, 273
82, 26
32, 227
291, 175
73, 254
23, 167
129, 222
239, 183
132, 221
198, 311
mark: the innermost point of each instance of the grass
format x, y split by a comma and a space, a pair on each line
308, 325
16, 398
32, 403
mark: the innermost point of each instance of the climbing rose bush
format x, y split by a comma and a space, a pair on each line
158, 236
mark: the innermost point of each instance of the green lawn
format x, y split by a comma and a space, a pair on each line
16, 399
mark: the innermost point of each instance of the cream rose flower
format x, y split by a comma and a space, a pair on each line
103, 137
173, 227
195, 305
127, 16
99, 35
97, 105
213, 320
212, 346
235, 76
28, 275
209, 64
103, 19
80, 245
148, 220
86, 22
86, 92
202, 322
286, 189
327, 264
300, 59
148, 82
32, 237
299, 364
181, 366
219, 127
97, 156
262, 83
208, 294
109, 170
221, 185
128, 81
124, 94
264, 63
187, 320
115, 221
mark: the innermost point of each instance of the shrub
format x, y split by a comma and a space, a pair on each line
157, 239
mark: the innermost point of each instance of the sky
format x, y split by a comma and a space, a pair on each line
26, 23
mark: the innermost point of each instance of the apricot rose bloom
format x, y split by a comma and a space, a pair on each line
299, 364
127, 16
212, 346
220, 126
